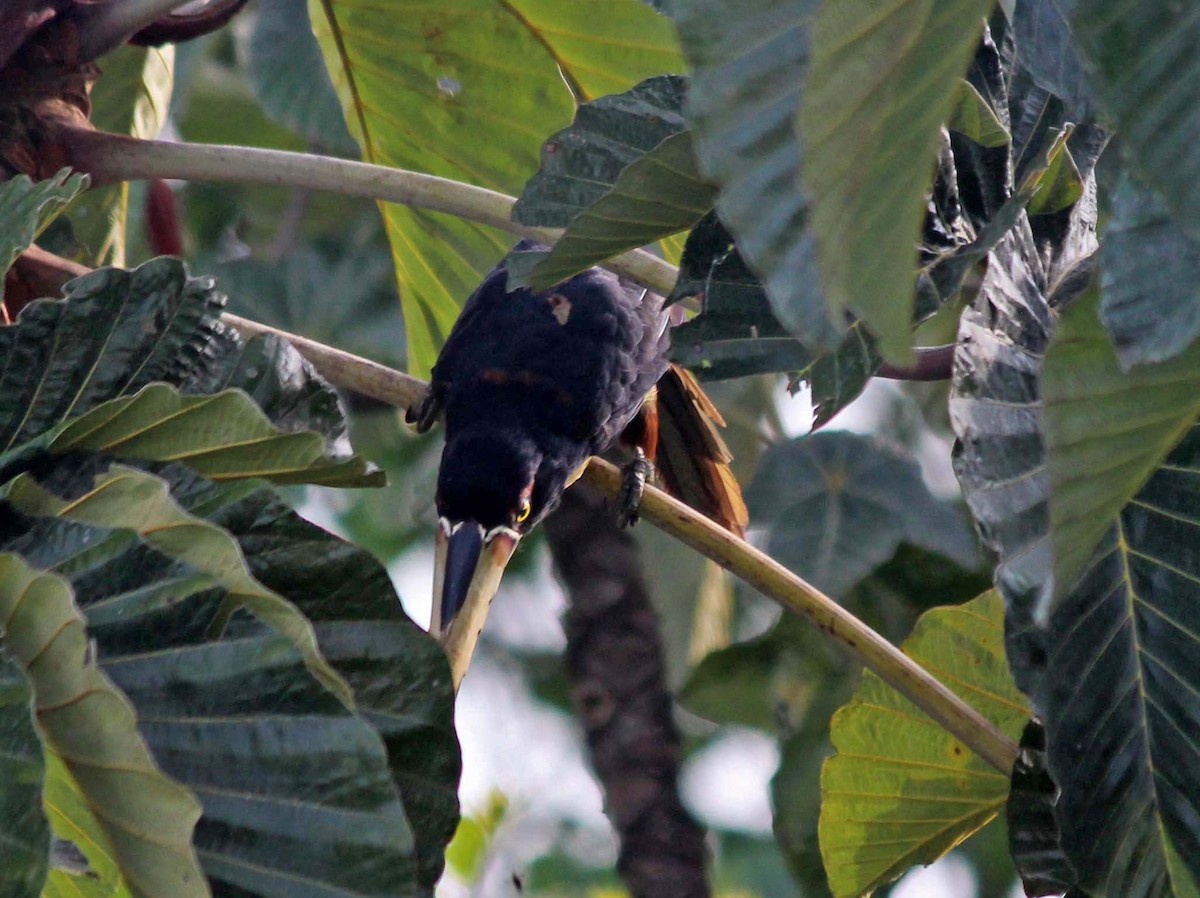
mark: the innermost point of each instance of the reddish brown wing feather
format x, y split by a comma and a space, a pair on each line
691, 457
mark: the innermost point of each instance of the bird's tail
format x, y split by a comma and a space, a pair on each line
691, 458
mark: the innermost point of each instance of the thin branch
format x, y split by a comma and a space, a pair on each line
757, 569
105, 26
110, 157
933, 363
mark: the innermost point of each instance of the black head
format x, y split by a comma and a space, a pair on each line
489, 477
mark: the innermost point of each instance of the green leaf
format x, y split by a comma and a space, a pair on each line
901, 790
1106, 430
26, 207
223, 436
622, 175
1048, 50
131, 97
747, 63
1120, 694
973, 116
127, 499
75, 825
423, 89
296, 787
881, 83
1150, 268
838, 505
23, 827
745, 684
1147, 77
736, 332
1060, 186
86, 720
286, 73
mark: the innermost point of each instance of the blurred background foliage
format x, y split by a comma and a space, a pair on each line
756, 692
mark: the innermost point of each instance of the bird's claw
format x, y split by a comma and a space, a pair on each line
633, 484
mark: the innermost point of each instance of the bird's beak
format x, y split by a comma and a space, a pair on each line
468, 564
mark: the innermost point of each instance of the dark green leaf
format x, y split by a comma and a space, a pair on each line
1047, 49
736, 333
1150, 279
657, 195
747, 64
838, 505
745, 684
1147, 76
287, 74
425, 88
24, 831
148, 817
1034, 839
321, 804
881, 84
27, 207
1106, 430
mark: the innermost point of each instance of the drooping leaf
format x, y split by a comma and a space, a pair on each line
24, 831
736, 333
901, 790
1047, 48
881, 83
996, 412
94, 872
1033, 834
287, 74
86, 720
127, 499
973, 116
1119, 695
223, 436
321, 805
421, 88
838, 505
1147, 77
1150, 269
746, 72
27, 206
1106, 430
131, 97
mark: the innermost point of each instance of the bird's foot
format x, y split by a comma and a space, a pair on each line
633, 484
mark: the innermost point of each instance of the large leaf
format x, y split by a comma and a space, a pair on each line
24, 831
1150, 269
901, 790
635, 144
118, 331
295, 787
468, 90
223, 436
26, 207
131, 97
1106, 430
1048, 50
287, 74
1120, 695
881, 82
148, 817
736, 333
747, 64
838, 505
1148, 79
127, 499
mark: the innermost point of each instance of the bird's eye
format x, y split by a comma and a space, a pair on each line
523, 514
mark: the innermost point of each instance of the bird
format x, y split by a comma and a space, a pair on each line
530, 385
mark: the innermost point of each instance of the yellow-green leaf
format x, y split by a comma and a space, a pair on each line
973, 116
901, 790
469, 89
147, 818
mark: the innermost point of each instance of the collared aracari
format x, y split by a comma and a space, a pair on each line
531, 386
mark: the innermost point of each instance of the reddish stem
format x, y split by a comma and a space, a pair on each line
933, 363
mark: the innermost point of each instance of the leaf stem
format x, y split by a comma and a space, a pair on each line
113, 157
754, 567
